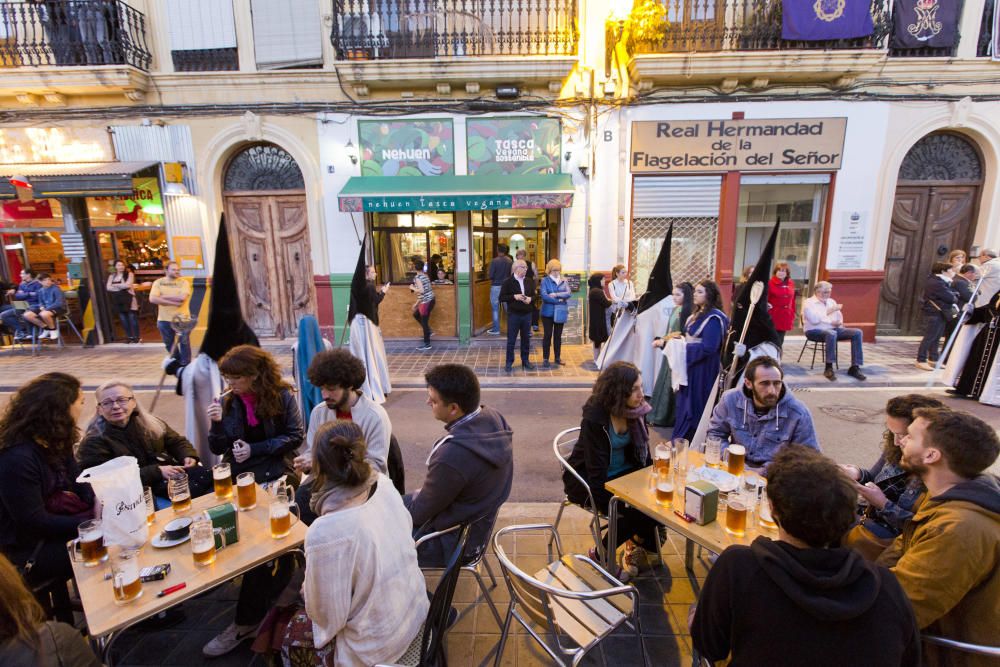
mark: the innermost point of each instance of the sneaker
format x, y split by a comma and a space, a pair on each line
167, 360
529, 366
829, 374
508, 369
21, 338
53, 334
491, 332
855, 372
924, 366
632, 556
229, 639
424, 348
545, 363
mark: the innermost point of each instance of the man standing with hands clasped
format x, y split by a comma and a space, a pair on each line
518, 292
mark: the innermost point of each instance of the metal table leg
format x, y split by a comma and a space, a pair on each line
609, 560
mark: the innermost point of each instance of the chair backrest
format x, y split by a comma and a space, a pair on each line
431, 651
562, 447
964, 647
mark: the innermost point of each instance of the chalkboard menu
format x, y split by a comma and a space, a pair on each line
573, 333
574, 281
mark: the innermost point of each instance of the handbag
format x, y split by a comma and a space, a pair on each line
949, 315
560, 313
67, 503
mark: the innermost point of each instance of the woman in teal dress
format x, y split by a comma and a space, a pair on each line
663, 393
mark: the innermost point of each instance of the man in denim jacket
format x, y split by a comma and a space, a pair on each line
762, 415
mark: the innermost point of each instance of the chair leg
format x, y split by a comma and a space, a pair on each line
504, 631
555, 526
802, 351
75, 330
489, 571
486, 594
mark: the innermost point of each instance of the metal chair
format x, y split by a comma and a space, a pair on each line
573, 598
964, 647
817, 346
562, 447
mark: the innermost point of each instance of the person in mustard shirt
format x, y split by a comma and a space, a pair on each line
171, 294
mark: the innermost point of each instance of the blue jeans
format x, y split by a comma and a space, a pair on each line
831, 336
183, 353
495, 305
518, 323
130, 323
930, 344
13, 321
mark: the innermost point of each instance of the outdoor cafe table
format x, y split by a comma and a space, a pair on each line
636, 489
255, 546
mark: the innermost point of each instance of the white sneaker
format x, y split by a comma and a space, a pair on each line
44, 335
229, 639
54, 334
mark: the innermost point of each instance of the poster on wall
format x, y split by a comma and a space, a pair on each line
144, 207
513, 145
852, 246
424, 147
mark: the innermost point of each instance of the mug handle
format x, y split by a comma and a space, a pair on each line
75, 553
222, 534
298, 516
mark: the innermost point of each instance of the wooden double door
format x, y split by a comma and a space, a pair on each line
928, 222
269, 241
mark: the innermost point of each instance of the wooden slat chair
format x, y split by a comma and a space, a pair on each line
577, 602
562, 447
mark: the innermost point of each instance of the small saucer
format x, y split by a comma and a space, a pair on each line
161, 542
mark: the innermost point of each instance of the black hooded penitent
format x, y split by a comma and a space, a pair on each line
226, 327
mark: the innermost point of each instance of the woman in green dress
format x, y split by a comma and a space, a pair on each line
663, 393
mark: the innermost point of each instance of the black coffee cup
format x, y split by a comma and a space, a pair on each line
177, 529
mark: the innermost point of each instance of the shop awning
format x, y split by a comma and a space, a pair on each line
73, 179
455, 193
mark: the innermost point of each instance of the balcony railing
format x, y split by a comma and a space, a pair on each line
72, 33
386, 29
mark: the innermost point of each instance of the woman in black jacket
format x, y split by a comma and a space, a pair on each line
939, 308
614, 441
41, 503
256, 427
598, 303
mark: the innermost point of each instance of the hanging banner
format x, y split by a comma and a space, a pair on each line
513, 146
821, 20
424, 147
925, 23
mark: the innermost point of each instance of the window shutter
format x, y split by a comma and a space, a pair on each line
287, 33
676, 196
197, 25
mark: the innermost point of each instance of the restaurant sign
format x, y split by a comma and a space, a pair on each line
513, 145
699, 146
447, 202
423, 147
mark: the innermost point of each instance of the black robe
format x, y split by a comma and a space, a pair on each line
984, 349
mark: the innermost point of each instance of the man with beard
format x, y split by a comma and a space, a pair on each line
948, 557
762, 415
339, 376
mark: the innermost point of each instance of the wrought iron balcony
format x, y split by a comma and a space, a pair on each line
387, 29
72, 33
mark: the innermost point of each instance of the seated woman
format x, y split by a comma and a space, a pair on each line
892, 494
26, 638
255, 428
376, 604
122, 427
41, 503
614, 441
663, 391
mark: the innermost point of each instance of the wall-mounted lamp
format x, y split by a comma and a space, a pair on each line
351, 152
568, 155
173, 175
176, 190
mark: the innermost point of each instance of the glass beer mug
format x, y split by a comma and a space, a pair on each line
125, 576
665, 486
739, 507
713, 452
180, 493
203, 546
246, 491
281, 510
735, 456
222, 480
89, 547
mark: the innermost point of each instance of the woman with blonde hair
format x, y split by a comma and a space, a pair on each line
27, 638
555, 295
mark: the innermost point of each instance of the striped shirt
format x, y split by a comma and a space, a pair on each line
427, 294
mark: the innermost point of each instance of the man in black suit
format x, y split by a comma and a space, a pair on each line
518, 293
939, 309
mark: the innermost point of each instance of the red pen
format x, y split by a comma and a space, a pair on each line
172, 589
686, 517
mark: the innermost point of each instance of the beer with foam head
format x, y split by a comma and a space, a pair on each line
91, 543
736, 459
664, 493
246, 491
281, 523
736, 517
222, 479
179, 492
203, 542
125, 579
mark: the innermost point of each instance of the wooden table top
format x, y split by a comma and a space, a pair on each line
638, 490
254, 547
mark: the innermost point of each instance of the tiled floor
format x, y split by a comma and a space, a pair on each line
665, 597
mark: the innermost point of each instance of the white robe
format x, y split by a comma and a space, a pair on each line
367, 345
632, 340
201, 384
960, 353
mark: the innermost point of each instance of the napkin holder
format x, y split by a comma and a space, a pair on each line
226, 518
701, 501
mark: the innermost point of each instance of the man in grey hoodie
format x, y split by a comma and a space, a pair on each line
762, 415
469, 470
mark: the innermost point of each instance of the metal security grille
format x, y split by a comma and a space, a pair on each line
692, 254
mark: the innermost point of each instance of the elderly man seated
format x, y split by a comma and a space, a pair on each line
824, 322
122, 428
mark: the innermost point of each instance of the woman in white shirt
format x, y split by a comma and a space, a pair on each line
621, 291
365, 599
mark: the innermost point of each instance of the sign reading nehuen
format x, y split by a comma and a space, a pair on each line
771, 144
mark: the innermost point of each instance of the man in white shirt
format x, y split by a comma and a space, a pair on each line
989, 269
824, 322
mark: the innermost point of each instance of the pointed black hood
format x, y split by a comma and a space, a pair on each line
361, 296
226, 326
761, 328
660, 284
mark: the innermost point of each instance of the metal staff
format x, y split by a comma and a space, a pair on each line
954, 334
181, 326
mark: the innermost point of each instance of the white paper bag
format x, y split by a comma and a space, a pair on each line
119, 491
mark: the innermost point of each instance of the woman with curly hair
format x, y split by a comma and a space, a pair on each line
257, 426
614, 441
41, 503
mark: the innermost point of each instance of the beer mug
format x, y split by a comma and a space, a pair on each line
713, 452
180, 493
766, 519
246, 491
680, 455
147, 493
125, 576
665, 486
203, 547
738, 508
222, 480
661, 456
89, 547
281, 512
735, 456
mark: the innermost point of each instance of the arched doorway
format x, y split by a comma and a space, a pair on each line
933, 213
265, 203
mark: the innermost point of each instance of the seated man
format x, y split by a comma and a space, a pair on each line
122, 428
801, 599
824, 322
947, 558
762, 415
469, 471
339, 376
26, 291
51, 305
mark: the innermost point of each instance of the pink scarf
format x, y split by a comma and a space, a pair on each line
250, 402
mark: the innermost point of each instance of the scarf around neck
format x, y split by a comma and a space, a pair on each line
250, 403
333, 497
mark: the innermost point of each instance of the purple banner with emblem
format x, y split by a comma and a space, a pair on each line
922, 23
821, 20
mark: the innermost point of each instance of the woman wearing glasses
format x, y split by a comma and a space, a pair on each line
121, 427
